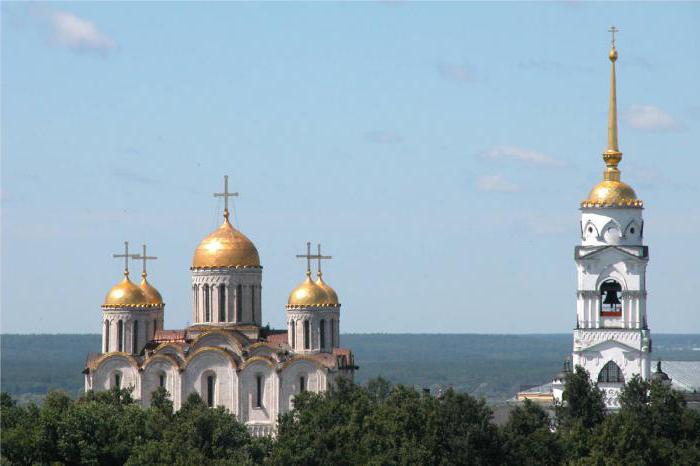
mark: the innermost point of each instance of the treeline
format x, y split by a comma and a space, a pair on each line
376, 424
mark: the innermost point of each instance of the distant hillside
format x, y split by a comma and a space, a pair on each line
492, 366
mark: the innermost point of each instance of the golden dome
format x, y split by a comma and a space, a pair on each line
125, 294
330, 292
612, 193
152, 295
308, 293
225, 247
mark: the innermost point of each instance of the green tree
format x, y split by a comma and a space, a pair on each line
528, 438
582, 404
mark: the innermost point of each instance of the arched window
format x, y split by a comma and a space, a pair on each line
117, 380
252, 303
322, 333
135, 338
292, 328
155, 327
302, 384
611, 373
120, 335
332, 321
162, 378
222, 303
306, 335
258, 391
207, 303
211, 387
610, 294
239, 303
106, 349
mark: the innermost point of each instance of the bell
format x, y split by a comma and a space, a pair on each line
611, 297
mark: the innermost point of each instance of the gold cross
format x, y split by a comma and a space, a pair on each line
226, 194
321, 257
308, 258
126, 257
144, 257
613, 29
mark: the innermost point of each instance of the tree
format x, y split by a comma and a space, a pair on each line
528, 438
582, 402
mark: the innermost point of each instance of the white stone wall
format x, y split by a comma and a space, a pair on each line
290, 382
211, 362
603, 227
329, 317
149, 320
250, 281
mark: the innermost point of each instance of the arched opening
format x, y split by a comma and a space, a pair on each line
322, 333
207, 303
135, 338
258, 391
307, 339
222, 303
195, 299
611, 373
162, 379
120, 335
106, 331
252, 303
302, 384
610, 294
239, 303
332, 321
210, 390
155, 327
117, 380
293, 330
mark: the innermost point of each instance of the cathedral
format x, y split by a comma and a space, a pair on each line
226, 355
611, 339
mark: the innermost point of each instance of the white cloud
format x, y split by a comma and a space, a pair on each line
518, 153
455, 72
76, 33
649, 118
495, 183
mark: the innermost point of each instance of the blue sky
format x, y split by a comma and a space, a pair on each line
438, 151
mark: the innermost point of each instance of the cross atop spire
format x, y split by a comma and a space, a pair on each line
144, 257
320, 257
613, 30
226, 194
126, 257
308, 256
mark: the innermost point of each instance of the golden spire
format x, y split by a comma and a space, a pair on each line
226, 194
612, 155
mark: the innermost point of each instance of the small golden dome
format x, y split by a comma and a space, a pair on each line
124, 294
308, 293
330, 292
152, 295
612, 193
225, 247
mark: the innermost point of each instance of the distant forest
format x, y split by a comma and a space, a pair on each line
494, 367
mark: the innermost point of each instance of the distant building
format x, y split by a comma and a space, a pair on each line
226, 355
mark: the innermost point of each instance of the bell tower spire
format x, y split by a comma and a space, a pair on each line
612, 155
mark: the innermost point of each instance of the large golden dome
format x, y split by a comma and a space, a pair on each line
308, 293
152, 295
330, 292
612, 193
126, 294
225, 247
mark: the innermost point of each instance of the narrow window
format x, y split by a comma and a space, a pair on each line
294, 335
302, 384
306, 334
222, 303
332, 333
155, 326
258, 391
322, 333
117, 380
106, 336
161, 380
195, 300
252, 303
135, 338
239, 303
207, 316
210, 391
120, 336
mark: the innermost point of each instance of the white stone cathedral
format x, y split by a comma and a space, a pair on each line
611, 339
226, 355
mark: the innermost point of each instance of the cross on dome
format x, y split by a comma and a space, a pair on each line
144, 257
308, 256
226, 194
320, 257
126, 257
613, 30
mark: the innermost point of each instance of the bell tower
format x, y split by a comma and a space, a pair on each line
612, 339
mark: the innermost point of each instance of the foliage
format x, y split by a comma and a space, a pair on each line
352, 425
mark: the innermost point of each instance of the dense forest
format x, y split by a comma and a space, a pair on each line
358, 425
491, 366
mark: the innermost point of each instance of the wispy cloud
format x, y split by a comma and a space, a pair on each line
650, 118
456, 72
383, 137
75, 33
528, 156
132, 176
495, 183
